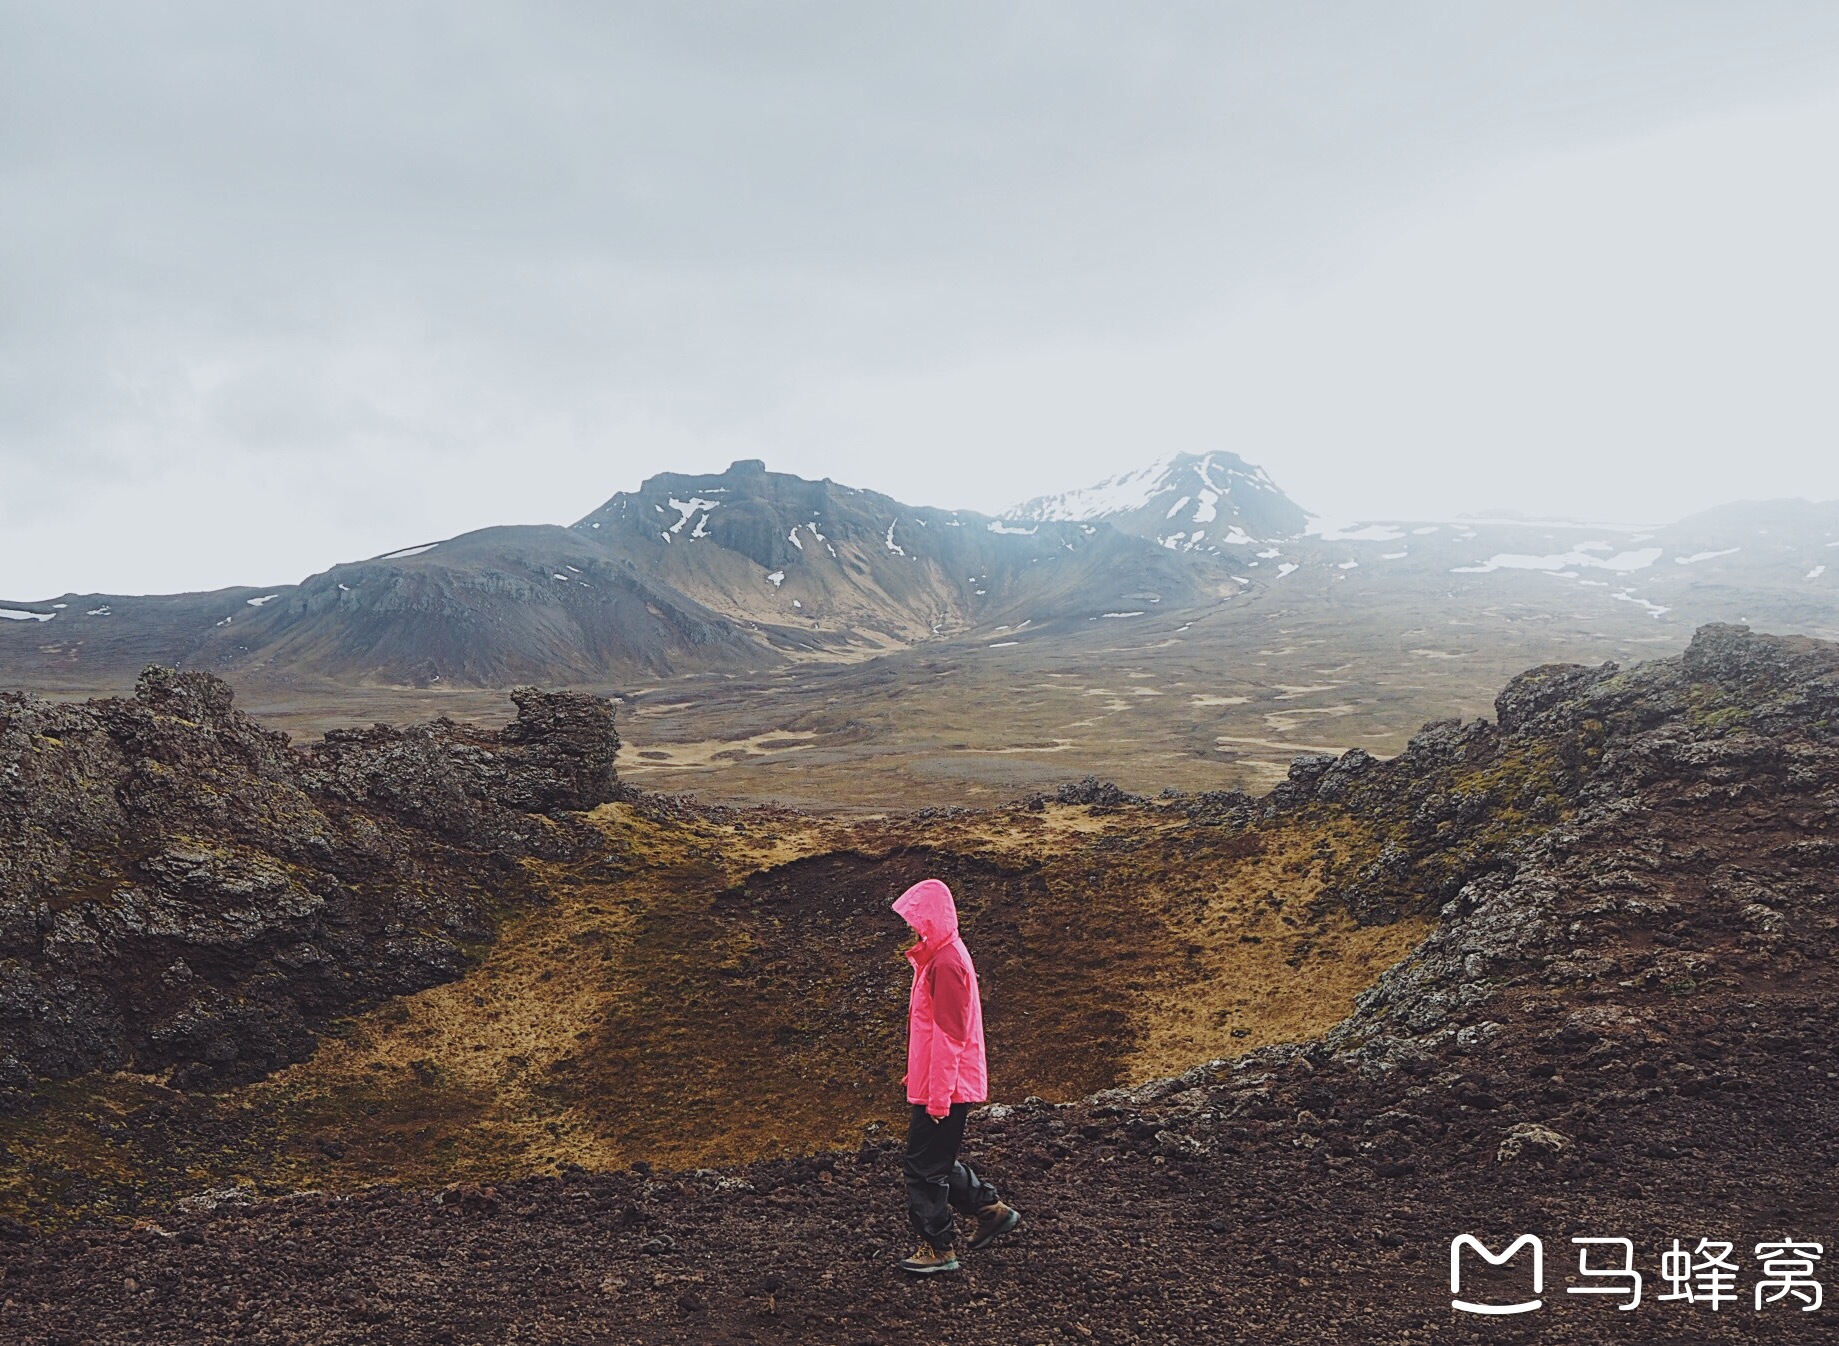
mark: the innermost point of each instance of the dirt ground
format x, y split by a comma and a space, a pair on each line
1127, 1238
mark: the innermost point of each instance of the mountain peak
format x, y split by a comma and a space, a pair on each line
1186, 502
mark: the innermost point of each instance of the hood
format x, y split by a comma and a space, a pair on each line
928, 908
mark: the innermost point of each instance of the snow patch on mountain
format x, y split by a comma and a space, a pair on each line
1653, 609
1235, 504
1621, 562
686, 508
1366, 532
1114, 495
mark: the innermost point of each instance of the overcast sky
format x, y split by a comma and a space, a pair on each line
285, 285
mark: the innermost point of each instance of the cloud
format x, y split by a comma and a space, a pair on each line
367, 274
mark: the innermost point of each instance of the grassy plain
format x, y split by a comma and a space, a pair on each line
1216, 697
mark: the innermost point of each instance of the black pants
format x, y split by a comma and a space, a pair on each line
937, 1184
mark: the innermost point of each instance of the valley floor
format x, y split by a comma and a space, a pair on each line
1220, 697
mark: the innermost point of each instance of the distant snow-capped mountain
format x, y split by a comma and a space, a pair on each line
744, 570
1190, 502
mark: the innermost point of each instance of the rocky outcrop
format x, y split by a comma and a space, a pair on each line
1469, 804
183, 890
1697, 848
474, 786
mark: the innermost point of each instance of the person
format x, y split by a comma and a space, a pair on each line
946, 1074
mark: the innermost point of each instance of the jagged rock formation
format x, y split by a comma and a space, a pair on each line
181, 888
1696, 854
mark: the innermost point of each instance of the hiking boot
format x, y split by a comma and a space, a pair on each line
993, 1222
929, 1261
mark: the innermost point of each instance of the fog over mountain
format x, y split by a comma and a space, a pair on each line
285, 285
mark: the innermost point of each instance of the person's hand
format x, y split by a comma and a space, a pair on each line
936, 1119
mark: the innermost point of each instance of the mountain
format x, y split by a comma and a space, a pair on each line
747, 571
851, 568
1207, 502
739, 570
1771, 563
489, 608
1768, 563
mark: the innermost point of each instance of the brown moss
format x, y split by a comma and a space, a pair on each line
700, 993
1266, 958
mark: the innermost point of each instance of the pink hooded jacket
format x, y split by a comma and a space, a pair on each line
945, 1062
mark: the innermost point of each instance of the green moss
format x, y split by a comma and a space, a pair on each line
1724, 719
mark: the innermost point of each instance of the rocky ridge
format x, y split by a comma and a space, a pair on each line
183, 890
